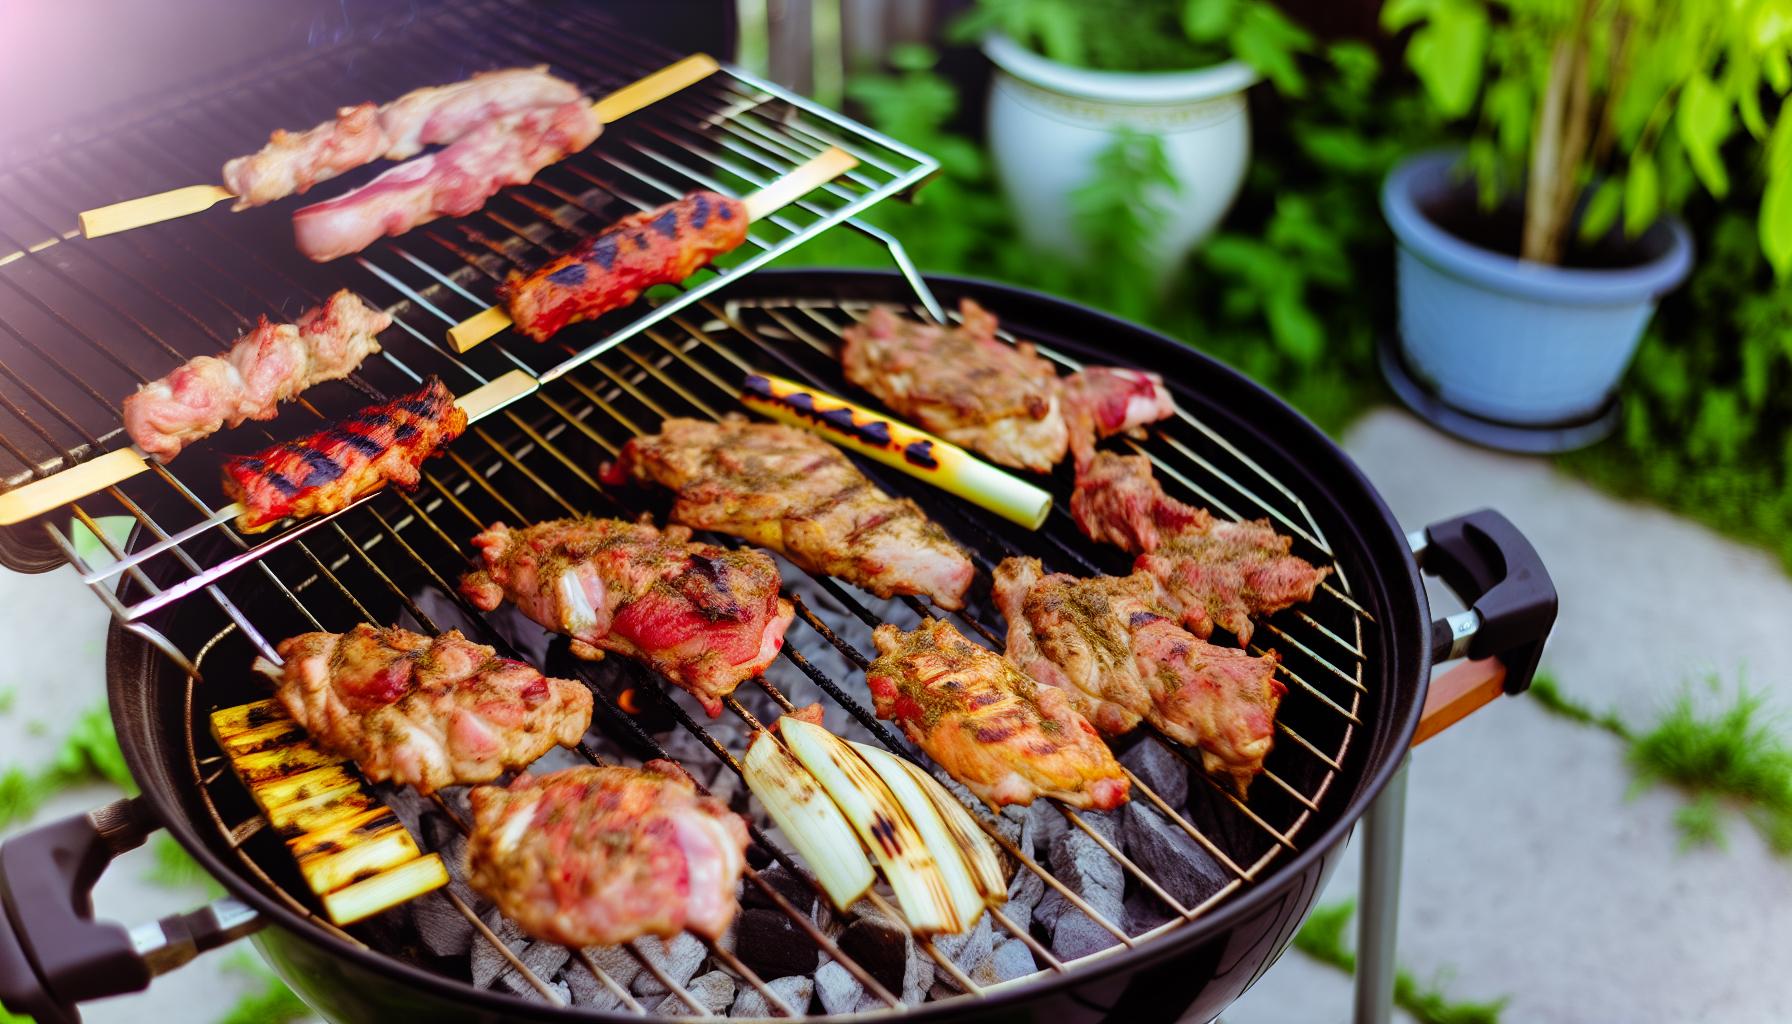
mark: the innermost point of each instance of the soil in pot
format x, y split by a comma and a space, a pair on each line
1501, 230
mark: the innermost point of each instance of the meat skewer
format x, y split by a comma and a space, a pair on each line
360, 134
424, 711
660, 246
990, 725
1118, 653
271, 364
790, 491
1210, 572
330, 469
599, 856
705, 617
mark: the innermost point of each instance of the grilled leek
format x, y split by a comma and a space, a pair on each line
955, 871
912, 871
969, 838
808, 819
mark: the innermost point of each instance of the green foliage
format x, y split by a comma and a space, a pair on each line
1736, 753
174, 868
89, 754
8, 697
1546, 691
1117, 212
271, 1003
1149, 35
1322, 937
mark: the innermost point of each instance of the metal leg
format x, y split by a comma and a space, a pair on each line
1378, 909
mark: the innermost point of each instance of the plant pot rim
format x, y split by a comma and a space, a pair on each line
1431, 171
1210, 82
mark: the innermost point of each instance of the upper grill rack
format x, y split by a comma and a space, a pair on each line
540, 460
83, 322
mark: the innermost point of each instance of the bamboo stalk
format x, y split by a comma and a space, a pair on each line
1546, 158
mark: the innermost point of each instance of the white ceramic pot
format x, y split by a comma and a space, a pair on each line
1047, 122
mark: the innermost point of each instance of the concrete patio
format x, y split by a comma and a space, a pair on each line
1531, 870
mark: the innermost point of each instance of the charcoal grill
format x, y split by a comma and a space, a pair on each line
194, 602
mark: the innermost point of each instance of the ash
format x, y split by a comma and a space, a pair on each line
433, 931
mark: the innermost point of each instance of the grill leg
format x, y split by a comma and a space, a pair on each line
1379, 902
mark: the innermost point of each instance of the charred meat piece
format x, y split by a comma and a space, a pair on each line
292, 162
1118, 501
451, 182
330, 469
962, 384
1121, 656
425, 711
789, 490
600, 856
704, 617
612, 268
271, 364
1223, 573
990, 725
1101, 401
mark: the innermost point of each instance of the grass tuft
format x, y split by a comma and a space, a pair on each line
89, 754
1735, 753
271, 1003
1323, 939
174, 868
1549, 693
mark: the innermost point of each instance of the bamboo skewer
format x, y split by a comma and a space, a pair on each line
180, 202
814, 173
115, 467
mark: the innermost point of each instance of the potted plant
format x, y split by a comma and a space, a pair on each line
1080, 81
1531, 260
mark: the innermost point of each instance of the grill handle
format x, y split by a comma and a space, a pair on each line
53, 954
1499, 575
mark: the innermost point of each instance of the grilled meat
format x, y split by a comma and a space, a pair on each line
1120, 655
328, 470
1118, 501
962, 384
292, 162
788, 490
1005, 736
425, 711
704, 617
452, 182
271, 364
601, 856
1101, 401
612, 268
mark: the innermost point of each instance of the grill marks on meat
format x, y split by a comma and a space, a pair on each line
328, 470
600, 856
1121, 657
292, 162
425, 711
703, 616
990, 725
788, 490
1210, 572
612, 268
452, 182
271, 364
1006, 401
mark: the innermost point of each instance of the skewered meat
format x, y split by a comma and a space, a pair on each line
1210, 572
612, 268
269, 365
328, 470
1005, 401
1118, 501
1121, 657
425, 711
292, 162
704, 617
788, 490
962, 383
600, 856
450, 182
990, 725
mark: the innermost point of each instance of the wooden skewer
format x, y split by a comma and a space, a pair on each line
817, 171
135, 213
115, 467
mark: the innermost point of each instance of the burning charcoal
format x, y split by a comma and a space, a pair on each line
1087, 869
1161, 769
1025, 890
442, 929
542, 958
969, 950
795, 992
1144, 912
679, 959
797, 890
1075, 935
714, 990
1178, 863
488, 962
771, 943
1080, 862
1010, 960
839, 991
587, 990
887, 950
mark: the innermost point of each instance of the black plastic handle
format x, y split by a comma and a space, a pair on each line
1499, 575
53, 954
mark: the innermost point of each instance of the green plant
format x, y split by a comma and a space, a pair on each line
1322, 938
1150, 35
89, 754
271, 1002
1546, 691
1623, 105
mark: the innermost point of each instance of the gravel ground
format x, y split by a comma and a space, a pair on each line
1531, 871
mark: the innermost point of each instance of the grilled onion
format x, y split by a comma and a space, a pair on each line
967, 899
808, 819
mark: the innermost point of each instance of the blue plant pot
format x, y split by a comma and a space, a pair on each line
1509, 340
